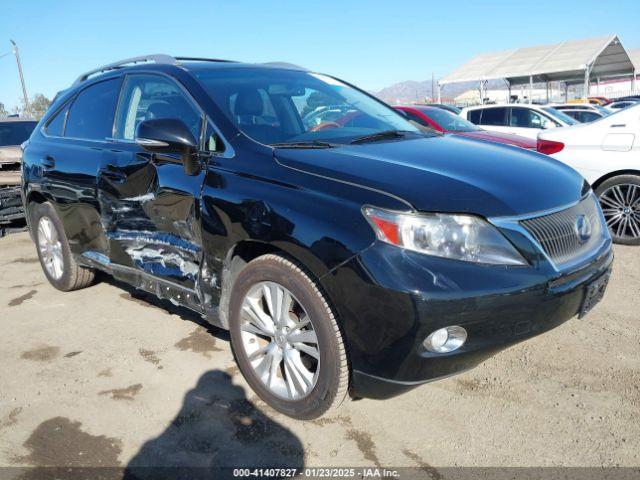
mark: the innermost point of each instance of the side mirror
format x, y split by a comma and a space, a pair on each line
170, 135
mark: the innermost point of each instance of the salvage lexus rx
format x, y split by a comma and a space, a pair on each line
358, 255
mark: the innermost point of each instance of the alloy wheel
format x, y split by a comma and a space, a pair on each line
50, 248
279, 340
621, 208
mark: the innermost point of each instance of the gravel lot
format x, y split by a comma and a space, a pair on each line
107, 377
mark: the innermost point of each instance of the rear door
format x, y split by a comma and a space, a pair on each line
69, 159
150, 207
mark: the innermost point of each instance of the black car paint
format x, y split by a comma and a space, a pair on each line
182, 237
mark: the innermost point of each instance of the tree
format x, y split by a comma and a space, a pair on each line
3, 110
38, 105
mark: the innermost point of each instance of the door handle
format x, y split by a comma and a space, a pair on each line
48, 162
618, 125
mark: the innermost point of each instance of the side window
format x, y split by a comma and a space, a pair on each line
474, 116
91, 113
494, 116
55, 126
212, 141
148, 97
520, 118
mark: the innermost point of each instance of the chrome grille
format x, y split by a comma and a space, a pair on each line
559, 233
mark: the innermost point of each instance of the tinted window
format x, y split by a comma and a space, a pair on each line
14, 133
55, 126
91, 114
149, 97
474, 116
494, 116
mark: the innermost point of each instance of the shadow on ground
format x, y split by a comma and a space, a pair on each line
217, 427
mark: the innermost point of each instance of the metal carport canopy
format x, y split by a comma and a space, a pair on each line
567, 61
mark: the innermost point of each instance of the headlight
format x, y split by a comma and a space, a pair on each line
461, 237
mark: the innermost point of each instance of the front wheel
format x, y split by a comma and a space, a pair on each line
286, 339
620, 201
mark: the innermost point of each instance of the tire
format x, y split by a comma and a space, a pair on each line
69, 276
620, 201
324, 361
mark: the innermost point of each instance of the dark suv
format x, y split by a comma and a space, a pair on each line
357, 255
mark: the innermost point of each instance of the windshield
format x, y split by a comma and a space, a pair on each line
14, 133
561, 116
449, 121
274, 106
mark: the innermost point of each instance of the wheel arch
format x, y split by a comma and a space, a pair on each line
616, 173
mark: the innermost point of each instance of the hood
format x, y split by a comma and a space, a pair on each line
447, 174
12, 154
507, 138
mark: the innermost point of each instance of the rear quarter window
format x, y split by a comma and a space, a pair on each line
474, 116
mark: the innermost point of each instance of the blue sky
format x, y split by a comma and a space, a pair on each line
370, 43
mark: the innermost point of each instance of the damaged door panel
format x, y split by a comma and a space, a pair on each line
149, 205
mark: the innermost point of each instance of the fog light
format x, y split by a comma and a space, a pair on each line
445, 339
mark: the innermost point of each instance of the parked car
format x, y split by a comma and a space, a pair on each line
449, 108
606, 153
579, 106
599, 101
582, 115
522, 119
446, 122
13, 132
359, 259
621, 104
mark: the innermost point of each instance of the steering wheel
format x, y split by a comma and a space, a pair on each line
325, 125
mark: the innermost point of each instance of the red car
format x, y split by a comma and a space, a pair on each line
447, 122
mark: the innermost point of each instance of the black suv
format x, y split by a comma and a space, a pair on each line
347, 251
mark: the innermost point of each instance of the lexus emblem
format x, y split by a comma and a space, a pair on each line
582, 228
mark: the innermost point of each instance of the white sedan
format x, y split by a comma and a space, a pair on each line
522, 119
607, 153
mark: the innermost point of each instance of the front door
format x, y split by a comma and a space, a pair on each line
150, 207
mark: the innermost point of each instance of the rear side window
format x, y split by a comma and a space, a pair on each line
55, 126
91, 114
149, 97
474, 116
494, 116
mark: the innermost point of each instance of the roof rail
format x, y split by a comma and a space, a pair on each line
201, 59
291, 66
158, 58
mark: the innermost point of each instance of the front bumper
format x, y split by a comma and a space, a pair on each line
389, 300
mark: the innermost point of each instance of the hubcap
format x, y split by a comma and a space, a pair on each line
621, 208
279, 340
50, 248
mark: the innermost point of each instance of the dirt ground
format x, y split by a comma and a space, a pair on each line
103, 377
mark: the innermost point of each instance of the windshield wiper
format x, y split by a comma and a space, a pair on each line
381, 136
306, 144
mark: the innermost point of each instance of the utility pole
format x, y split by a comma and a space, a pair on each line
24, 88
433, 92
